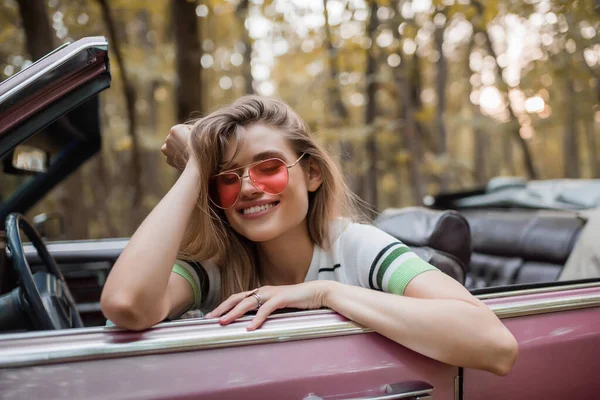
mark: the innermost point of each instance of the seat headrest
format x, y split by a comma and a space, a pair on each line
446, 231
531, 235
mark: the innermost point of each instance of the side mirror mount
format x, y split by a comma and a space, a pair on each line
50, 226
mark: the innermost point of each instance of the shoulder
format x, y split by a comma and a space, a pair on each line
347, 233
358, 247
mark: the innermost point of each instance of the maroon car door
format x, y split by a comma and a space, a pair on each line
558, 330
304, 355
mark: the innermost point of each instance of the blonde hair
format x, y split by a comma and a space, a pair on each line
209, 236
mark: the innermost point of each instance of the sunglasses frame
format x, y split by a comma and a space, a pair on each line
241, 178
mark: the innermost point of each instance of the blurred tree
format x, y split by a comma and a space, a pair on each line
188, 52
129, 93
480, 138
407, 111
441, 79
407, 90
38, 32
370, 187
242, 12
336, 113
571, 136
339, 112
479, 25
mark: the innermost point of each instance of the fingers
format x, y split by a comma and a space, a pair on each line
248, 304
227, 305
263, 312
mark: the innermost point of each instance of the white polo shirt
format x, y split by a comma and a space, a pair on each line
360, 255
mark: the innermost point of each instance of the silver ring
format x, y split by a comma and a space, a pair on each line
254, 293
258, 299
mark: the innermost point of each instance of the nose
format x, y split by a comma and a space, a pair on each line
248, 190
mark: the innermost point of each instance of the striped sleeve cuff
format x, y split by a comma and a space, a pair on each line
394, 267
187, 272
402, 276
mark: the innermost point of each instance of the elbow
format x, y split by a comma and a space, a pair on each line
122, 311
505, 354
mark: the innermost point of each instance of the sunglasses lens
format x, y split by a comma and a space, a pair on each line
224, 189
270, 176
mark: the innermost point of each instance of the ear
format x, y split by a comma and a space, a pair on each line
314, 176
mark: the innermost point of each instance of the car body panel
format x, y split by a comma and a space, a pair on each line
352, 363
332, 357
558, 351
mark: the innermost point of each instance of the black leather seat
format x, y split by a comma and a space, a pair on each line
441, 238
519, 246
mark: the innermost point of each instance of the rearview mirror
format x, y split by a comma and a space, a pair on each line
30, 159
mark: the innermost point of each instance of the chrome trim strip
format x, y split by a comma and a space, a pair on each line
302, 325
178, 323
543, 306
52, 66
551, 289
58, 248
213, 336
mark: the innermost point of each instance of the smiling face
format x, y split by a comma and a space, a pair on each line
257, 215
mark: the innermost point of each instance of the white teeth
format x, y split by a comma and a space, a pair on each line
255, 209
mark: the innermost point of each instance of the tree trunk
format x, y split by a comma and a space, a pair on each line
101, 191
334, 96
479, 140
592, 148
242, 11
570, 139
130, 99
188, 54
337, 114
410, 136
516, 125
39, 35
370, 181
415, 83
406, 109
442, 78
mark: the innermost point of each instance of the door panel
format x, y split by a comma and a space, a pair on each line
559, 352
338, 367
85, 265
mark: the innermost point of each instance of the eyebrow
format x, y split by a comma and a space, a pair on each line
263, 155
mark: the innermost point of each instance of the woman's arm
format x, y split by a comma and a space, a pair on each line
141, 290
436, 317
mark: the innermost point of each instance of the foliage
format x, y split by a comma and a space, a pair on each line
541, 47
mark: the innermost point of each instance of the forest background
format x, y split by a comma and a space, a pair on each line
414, 97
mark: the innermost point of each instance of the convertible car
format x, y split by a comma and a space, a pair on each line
54, 344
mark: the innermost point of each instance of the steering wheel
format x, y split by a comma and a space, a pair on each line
44, 296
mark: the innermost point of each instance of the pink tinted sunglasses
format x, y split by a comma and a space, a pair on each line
270, 176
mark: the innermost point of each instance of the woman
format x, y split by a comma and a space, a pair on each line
260, 218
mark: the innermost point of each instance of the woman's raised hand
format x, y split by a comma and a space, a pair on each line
176, 145
307, 295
